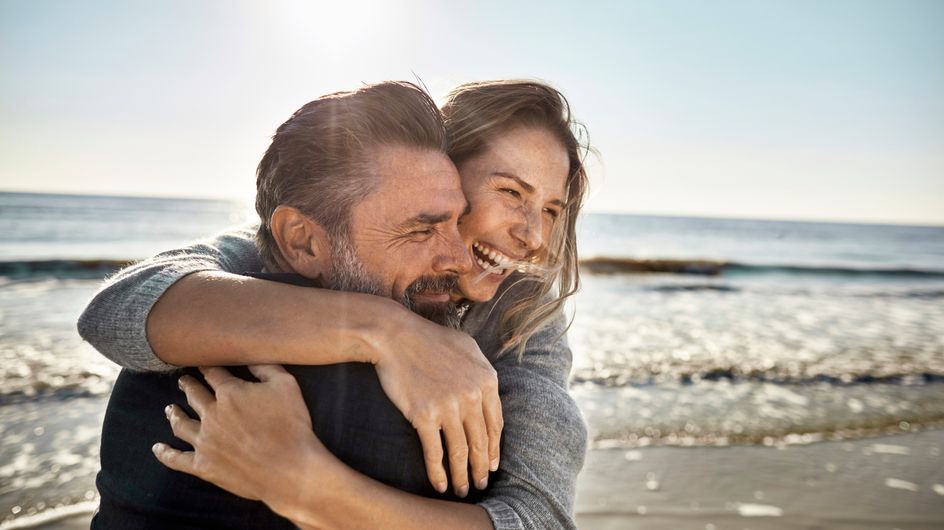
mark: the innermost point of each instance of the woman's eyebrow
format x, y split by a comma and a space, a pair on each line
527, 187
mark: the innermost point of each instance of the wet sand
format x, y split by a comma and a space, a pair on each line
889, 482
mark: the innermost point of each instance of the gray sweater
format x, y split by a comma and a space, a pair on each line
544, 438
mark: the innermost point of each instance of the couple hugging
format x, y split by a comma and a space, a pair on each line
409, 272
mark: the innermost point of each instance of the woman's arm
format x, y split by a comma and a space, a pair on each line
344, 498
544, 443
545, 438
115, 320
193, 307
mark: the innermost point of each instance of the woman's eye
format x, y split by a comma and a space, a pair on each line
513, 193
552, 212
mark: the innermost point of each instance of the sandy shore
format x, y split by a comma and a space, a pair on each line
890, 482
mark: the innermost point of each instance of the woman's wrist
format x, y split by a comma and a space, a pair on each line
305, 493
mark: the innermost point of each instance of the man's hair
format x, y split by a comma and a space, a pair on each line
319, 160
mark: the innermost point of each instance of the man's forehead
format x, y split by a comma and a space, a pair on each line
403, 166
412, 183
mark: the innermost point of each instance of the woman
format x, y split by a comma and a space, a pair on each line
522, 173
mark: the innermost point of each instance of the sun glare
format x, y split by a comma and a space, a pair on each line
331, 27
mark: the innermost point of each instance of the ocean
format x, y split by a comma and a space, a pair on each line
687, 331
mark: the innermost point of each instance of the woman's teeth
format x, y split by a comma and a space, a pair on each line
488, 257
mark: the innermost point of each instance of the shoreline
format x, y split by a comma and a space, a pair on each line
885, 482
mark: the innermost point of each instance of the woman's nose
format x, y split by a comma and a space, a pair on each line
528, 231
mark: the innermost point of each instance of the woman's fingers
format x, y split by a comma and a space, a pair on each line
494, 422
183, 426
477, 439
458, 450
266, 372
217, 376
198, 396
174, 459
433, 455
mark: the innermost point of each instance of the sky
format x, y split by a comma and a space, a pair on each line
821, 110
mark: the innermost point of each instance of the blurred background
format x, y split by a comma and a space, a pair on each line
759, 341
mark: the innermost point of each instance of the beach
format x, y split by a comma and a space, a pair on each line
884, 482
732, 373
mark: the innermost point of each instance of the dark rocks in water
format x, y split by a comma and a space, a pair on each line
62, 268
630, 265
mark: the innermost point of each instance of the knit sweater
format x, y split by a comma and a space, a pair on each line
544, 438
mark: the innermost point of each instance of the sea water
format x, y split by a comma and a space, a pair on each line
765, 332
785, 332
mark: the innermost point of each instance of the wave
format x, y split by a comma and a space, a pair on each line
613, 265
64, 393
597, 265
614, 378
62, 268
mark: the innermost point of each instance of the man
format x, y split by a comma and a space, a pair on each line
347, 192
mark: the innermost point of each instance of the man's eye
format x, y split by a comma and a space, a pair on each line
423, 232
513, 193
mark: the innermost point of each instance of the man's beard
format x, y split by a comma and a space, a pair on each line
349, 275
446, 313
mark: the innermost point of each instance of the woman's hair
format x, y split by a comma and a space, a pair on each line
474, 114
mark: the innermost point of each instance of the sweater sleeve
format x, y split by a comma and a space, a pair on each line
115, 320
544, 438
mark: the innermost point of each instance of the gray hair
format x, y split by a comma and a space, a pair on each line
319, 160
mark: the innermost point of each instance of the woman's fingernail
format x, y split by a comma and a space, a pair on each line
463, 491
157, 448
494, 465
180, 383
482, 483
441, 487
167, 410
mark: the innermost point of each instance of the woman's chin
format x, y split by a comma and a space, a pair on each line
482, 291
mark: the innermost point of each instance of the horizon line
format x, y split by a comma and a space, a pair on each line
676, 215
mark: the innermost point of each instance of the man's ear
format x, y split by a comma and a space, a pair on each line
302, 242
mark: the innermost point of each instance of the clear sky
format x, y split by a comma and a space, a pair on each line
791, 109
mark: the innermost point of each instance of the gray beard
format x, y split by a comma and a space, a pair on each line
349, 275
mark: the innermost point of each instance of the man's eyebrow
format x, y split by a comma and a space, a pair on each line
425, 219
528, 187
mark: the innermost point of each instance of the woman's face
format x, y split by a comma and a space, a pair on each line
515, 189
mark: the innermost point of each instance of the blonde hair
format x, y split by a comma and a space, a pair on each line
474, 114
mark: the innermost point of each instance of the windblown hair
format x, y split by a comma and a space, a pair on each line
319, 160
475, 113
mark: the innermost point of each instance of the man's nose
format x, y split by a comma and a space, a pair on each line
454, 256
528, 231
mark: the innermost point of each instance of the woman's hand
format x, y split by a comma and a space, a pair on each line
440, 380
250, 438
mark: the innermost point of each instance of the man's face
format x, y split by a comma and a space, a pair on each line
404, 239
